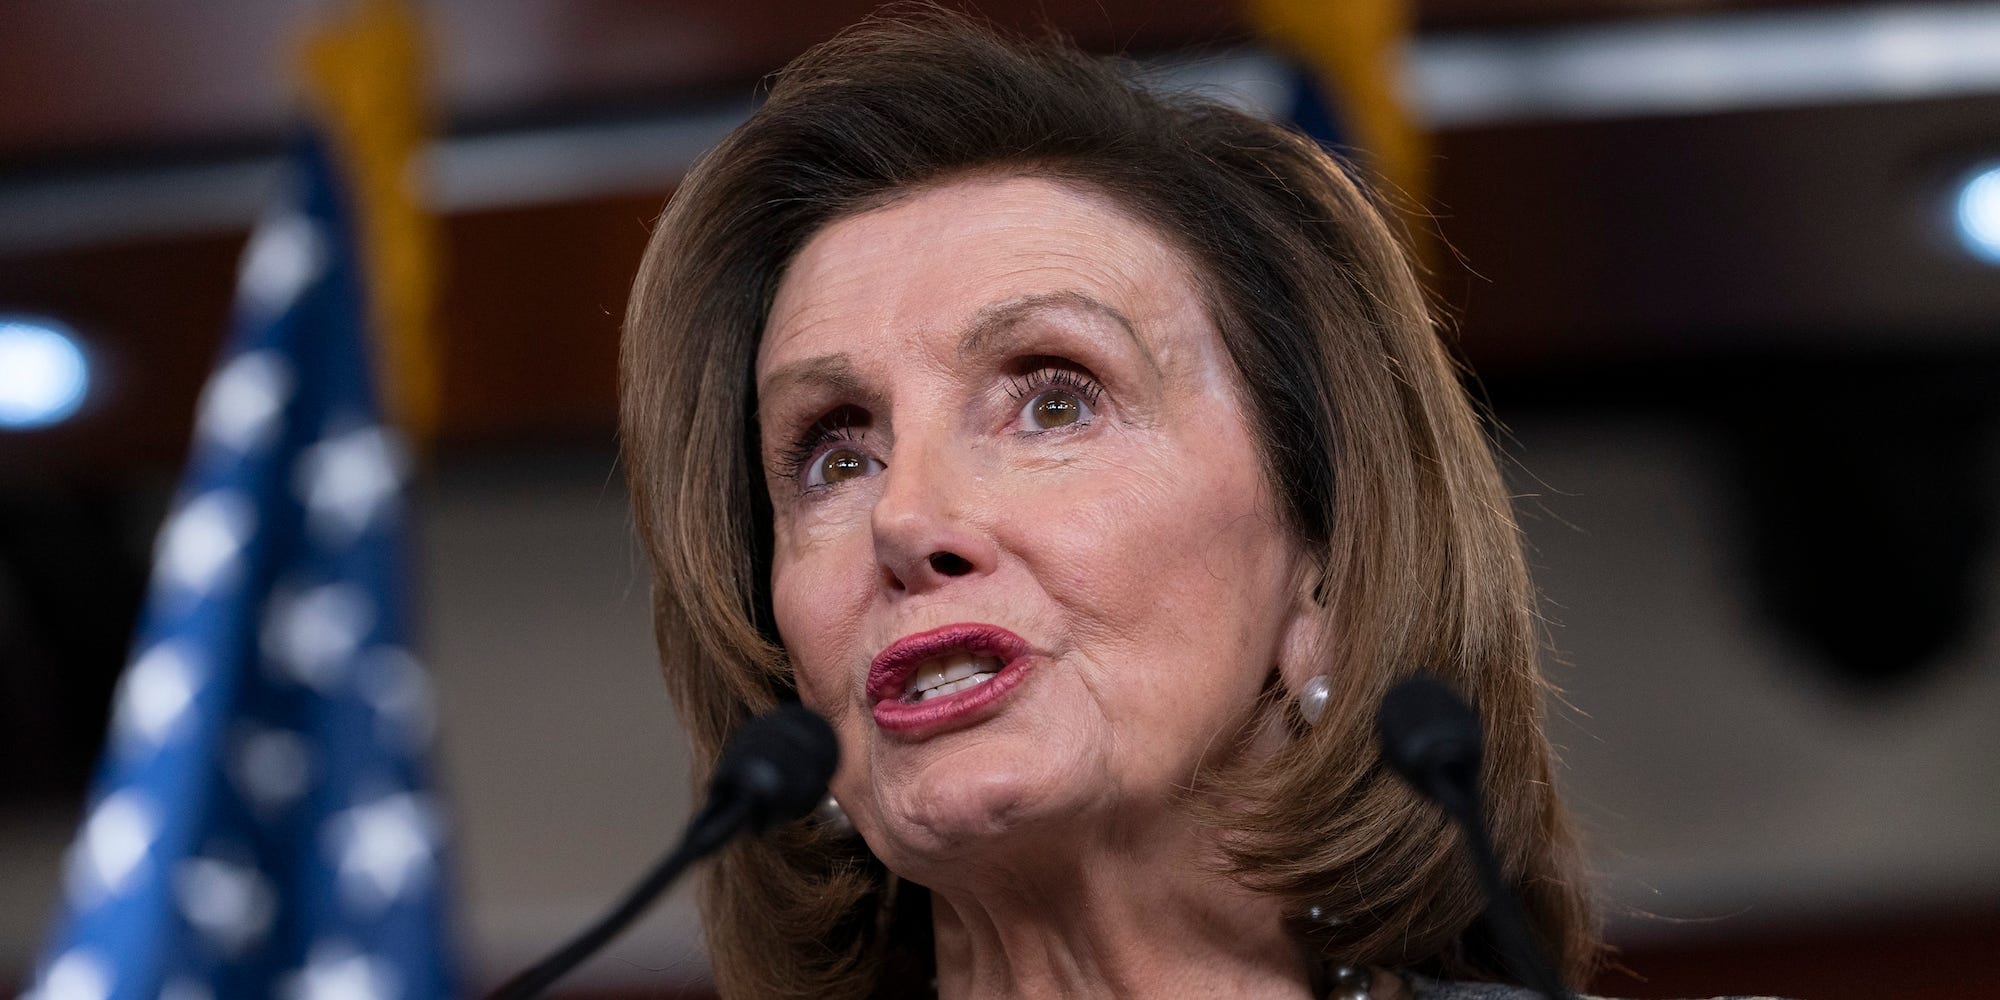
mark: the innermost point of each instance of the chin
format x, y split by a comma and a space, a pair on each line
961, 808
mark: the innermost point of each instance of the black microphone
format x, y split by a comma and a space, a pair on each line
777, 765
774, 769
1430, 737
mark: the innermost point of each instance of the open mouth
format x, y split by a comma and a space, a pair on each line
945, 678
949, 675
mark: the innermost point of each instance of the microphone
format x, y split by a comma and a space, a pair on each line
777, 765
774, 769
1431, 738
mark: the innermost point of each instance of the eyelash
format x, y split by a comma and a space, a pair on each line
1051, 376
831, 429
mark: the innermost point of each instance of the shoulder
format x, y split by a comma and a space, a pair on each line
1425, 988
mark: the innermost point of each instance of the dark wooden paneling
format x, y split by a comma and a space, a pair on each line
1948, 955
84, 80
92, 80
151, 316
532, 306
85, 76
1809, 229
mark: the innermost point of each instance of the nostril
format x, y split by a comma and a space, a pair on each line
950, 564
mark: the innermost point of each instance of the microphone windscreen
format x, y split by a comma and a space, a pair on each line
1428, 734
779, 763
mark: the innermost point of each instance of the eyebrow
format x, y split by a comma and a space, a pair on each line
835, 371
990, 322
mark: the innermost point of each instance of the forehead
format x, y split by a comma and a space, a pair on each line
929, 261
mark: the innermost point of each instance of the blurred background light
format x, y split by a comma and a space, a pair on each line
43, 374
1979, 213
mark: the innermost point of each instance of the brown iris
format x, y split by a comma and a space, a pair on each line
1056, 409
841, 465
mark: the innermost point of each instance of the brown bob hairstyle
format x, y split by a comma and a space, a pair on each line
1377, 458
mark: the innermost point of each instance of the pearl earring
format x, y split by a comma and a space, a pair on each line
1312, 699
831, 816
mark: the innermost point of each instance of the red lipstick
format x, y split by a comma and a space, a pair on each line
891, 671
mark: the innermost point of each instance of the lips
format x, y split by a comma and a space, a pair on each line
945, 678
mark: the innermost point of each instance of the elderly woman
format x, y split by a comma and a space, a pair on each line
1090, 459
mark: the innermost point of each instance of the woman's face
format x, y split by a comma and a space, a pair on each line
1026, 558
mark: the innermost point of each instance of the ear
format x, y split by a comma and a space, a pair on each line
1302, 652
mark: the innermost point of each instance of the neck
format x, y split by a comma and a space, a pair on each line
1130, 924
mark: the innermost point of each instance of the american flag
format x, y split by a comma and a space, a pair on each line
1347, 82
261, 824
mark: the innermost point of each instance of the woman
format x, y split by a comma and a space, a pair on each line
1089, 459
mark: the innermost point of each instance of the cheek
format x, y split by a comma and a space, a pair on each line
1170, 551
1171, 503
818, 628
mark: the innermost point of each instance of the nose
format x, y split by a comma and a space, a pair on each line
925, 534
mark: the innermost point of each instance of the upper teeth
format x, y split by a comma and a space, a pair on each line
949, 674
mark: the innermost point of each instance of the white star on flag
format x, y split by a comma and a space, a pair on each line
311, 635
77, 975
231, 904
286, 255
242, 403
347, 479
154, 695
114, 843
383, 848
202, 543
270, 766
337, 972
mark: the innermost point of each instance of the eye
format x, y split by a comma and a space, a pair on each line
838, 465
828, 453
1055, 398
1052, 409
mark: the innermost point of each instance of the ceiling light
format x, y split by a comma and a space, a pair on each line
43, 374
1979, 213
